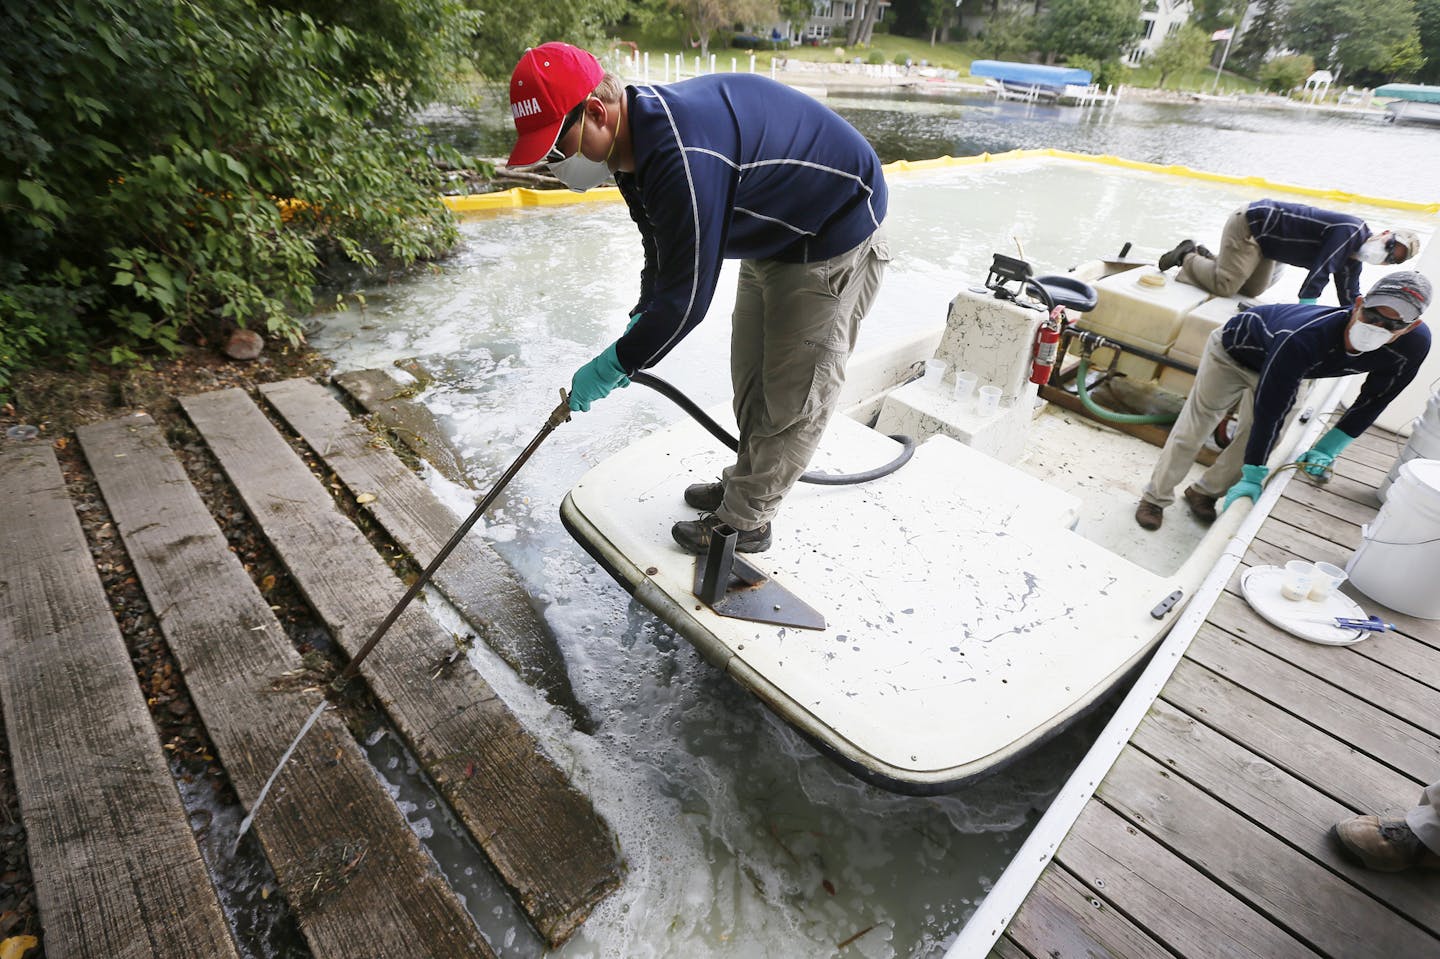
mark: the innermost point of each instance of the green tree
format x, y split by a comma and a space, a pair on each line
1097, 28
1009, 33
1283, 74
1212, 15
1406, 60
1262, 35
507, 29
1353, 35
173, 164
1186, 49
1427, 17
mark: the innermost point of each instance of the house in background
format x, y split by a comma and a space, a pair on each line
1161, 18
829, 22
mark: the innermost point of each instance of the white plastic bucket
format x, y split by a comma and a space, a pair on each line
1424, 445
1398, 562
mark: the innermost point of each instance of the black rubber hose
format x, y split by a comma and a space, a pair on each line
716, 430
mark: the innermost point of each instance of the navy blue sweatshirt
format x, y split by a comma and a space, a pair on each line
1286, 343
735, 166
1317, 240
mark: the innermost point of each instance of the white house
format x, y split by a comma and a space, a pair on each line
1161, 18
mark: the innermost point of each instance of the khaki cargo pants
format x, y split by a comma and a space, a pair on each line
1220, 383
793, 331
1238, 267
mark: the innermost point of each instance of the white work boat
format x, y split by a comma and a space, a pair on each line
976, 600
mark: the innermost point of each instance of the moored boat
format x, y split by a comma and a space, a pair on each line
1412, 102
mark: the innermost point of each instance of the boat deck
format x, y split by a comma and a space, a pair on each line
1209, 834
119, 860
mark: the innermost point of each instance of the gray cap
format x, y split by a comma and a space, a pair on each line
1404, 291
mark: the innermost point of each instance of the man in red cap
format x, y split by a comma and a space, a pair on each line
723, 166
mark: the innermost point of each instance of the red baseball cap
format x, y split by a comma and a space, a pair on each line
548, 82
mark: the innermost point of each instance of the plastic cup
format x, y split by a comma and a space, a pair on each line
1299, 577
965, 383
1328, 578
934, 374
989, 401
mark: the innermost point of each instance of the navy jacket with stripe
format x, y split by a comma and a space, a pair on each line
1317, 240
1289, 342
735, 166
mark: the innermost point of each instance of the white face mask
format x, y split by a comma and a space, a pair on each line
1365, 338
579, 172
1372, 250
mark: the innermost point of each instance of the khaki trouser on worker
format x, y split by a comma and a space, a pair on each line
793, 331
1220, 383
1424, 819
1238, 267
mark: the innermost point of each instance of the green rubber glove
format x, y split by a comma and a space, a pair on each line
1252, 481
596, 379
1308, 300
1319, 458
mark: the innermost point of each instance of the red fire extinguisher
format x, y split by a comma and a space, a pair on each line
1047, 345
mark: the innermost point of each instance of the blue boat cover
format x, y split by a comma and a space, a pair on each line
1031, 74
1418, 92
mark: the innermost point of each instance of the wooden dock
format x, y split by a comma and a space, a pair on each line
116, 865
1209, 834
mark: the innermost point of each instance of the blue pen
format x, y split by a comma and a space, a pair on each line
1372, 625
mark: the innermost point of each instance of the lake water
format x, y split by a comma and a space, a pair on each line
739, 840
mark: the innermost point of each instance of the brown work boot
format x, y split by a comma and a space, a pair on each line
1201, 504
705, 496
1385, 845
694, 536
1149, 516
1176, 256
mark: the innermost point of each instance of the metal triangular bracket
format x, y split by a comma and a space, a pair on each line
733, 587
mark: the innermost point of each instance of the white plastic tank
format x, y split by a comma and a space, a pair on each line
1398, 562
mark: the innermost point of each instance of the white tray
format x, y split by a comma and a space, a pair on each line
1303, 618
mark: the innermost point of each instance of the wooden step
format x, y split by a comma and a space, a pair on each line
543, 837
328, 817
117, 871
474, 578
388, 401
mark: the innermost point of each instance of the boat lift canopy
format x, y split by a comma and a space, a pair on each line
1030, 74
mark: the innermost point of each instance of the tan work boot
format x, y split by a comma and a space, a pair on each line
1149, 516
1201, 504
1385, 845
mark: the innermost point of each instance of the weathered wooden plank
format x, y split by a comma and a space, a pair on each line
1343, 666
1379, 450
117, 871
328, 810
1329, 502
480, 584
1311, 755
1166, 896
1318, 522
1005, 948
1275, 800
1393, 741
543, 837
388, 401
1062, 917
1364, 473
1316, 906
1339, 485
1312, 547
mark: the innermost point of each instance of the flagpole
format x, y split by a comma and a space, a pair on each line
1229, 36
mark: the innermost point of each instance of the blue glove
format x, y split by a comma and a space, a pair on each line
596, 379
1252, 481
1308, 300
1319, 458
